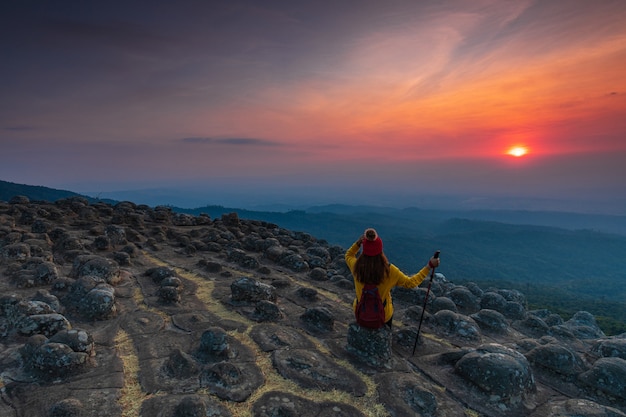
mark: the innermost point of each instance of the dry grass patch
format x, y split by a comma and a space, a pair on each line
131, 396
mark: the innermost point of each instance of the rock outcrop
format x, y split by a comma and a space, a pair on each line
132, 310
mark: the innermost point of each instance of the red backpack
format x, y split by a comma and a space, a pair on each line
370, 309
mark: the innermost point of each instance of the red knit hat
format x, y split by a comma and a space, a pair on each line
372, 244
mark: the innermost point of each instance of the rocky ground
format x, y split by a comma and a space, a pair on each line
128, 310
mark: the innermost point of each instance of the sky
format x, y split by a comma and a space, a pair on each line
395, 103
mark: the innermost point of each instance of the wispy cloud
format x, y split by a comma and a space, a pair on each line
230, 141
18, 128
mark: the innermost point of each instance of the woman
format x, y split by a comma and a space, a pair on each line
372, 267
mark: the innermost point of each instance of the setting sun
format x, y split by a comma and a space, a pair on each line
517, 151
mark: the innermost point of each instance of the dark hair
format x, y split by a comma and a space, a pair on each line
371, 269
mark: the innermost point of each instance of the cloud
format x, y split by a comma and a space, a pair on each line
18, 128
230, 141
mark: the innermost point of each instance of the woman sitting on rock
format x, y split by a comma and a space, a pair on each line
372, 269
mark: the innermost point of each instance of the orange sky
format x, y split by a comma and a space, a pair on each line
241, 90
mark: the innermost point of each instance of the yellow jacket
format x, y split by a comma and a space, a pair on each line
395, 278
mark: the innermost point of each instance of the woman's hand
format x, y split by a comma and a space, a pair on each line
433, 262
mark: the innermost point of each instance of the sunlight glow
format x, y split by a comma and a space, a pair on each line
517, 151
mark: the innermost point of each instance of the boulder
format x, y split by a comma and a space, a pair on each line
372, 346
607, 375
610, 348
458, 325
557, 359
491, 321
96, 266
466, 301
498, 371
69, 407
318, 318
249, 290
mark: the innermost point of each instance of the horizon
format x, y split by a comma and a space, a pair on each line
276, 198
504, 104
268, 199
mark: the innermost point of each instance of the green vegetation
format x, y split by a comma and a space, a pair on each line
609, 314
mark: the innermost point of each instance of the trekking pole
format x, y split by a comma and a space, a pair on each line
432, 274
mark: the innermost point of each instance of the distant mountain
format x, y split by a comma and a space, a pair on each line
8, 190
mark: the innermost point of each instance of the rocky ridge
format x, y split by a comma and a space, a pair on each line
129, 310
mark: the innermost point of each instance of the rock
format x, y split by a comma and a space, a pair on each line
610, 348
96, 266
403, 394
493, 301
188, 406
532, 326
122, 258
214, 346
209, 266
556, 358
52, 300
491, 321
180, 365
607, 375
102, 243
372, 346
170, 291
466, 301
159, 273
318, 318
318, 274
241, 258
443, 303
584, 326
78, 340
458, 325
44, 324
53, 360
284, 404
271, 337
249, 290
319, 252
45, 273
231, 381
500, 372
169, 294
295, 262
69, 407
28, 308
98, 303
514, 310
266, 311
17, 252
311, 369
309, 294
576, 408
512, 295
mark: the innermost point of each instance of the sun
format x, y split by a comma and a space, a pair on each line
517, 151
